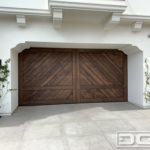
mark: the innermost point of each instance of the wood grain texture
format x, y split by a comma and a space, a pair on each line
103, 76
46, 77
59, 76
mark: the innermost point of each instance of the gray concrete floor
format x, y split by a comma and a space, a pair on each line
71, 126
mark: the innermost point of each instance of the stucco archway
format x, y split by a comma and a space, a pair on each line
135, 58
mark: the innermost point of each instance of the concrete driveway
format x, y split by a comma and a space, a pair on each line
71, 126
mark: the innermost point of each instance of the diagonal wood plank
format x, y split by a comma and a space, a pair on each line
58, 76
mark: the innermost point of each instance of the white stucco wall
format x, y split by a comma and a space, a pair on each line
74, 34
135, 78
42, 30
33, 4
137, 7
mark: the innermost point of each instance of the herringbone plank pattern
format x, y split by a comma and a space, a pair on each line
46, 78
102, 76
56, 76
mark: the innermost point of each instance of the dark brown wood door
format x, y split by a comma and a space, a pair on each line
102, 76
58, 76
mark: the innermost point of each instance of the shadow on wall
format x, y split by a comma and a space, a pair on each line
52, 113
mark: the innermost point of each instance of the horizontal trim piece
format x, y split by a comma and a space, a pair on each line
5, 114
135, 18
84, 87
24, 11
104, 99
110, 6
103, 5
67, 87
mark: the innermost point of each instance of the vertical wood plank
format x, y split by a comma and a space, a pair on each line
20, 75
78, 75
74, 77
125, 74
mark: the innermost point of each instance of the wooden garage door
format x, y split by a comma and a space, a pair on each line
58, 76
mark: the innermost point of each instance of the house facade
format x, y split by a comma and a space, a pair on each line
74, 51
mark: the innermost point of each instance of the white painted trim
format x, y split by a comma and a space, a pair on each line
112, 22
137, 26
21, 20
24, 11
113, 6
103, 5
44, 12
7, 114
66, 4
135, 18
57, 17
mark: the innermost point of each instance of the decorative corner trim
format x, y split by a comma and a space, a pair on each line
57, 17
56, 7
113, 21
21, 20
137, 26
